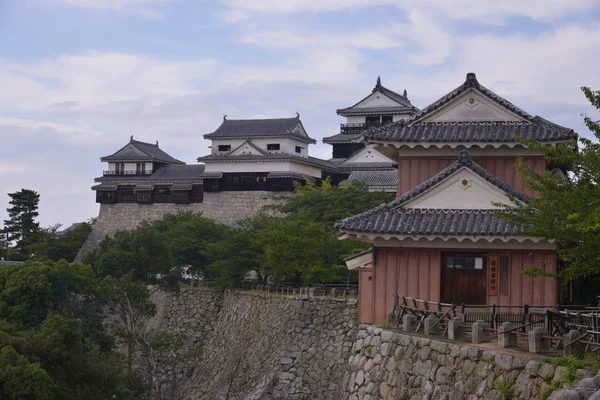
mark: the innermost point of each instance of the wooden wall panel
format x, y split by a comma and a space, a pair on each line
413, 171
365, 294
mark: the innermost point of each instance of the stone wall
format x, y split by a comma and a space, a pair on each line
261, 346
225, 207
265, 346
387, 364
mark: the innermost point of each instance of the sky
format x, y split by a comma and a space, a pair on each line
79, 77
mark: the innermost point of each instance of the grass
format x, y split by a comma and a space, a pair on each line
386, 325
503, 388
588, 362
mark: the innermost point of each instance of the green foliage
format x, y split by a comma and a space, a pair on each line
503, 388
567, 209
21, 225
329, 204
589, 362
51, 316
50, 244
21, 379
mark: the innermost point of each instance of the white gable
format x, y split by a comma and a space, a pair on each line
463, 190
377, 99
472, 106
246, 149
299, 130
130, 150
368, 155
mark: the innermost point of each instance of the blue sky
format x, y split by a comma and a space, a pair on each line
78, 77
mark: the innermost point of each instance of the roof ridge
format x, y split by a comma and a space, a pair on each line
260, 119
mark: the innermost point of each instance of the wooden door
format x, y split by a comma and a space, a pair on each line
464, 278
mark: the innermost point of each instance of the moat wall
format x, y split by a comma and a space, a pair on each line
225, 207
265, 346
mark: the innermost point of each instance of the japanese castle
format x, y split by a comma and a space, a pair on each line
259, 155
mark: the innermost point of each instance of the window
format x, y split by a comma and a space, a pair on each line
298, 149
274, 146
140, 168
224, 147
373, 121
467, 261
387, 119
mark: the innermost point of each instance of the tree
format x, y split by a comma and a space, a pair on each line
55, 245
21, 379
566, 208
21, 225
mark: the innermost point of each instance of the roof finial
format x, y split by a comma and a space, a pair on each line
131, 138
225, 117
405, 93
157, 143
298, 114
464, 157
378, 80
471, 79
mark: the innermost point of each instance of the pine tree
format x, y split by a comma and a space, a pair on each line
21, 225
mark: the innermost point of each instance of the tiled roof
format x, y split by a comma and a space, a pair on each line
249, 128
367, 166
344, 138
376, 178
414, 130
317, 162
429, 222
464, 132
470, 82
151, 152
288, 174
398, 110
105, 188
398, 98
182, 186
392, 218
464, 161
143, 188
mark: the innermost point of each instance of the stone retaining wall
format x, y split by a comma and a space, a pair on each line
267, 346
225, 207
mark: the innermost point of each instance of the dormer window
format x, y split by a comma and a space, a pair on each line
224, 147
273, 146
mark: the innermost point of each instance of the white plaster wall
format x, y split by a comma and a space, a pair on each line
286, 145
356, 120
263, 167
377, 100
451, 194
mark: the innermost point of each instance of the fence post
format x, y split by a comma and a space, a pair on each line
537, 342
431, 325
455, 329
480, 332
494, 322
409, 323
572, 345
311, 293
526, 318
508, 339
333, 292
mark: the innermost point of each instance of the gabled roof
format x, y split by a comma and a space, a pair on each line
404, 105
344, 138
377, 179
255, 128
464, 161
367, 158
417, 130
250, 144
394, 218
141, 151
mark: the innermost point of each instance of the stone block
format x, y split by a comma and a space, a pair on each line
480, 332
409, 323
455, 329
537, 343
570, 344
508, 339
431, 325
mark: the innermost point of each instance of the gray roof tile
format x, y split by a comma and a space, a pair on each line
376, 178
413, 130
249, 128
344, 138
398, 110
165, 173
398, 98
430, 222
317, 162
151, 153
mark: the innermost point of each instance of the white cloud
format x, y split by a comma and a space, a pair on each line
145, 8
484, 11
